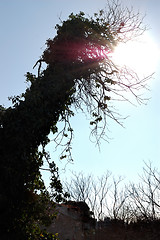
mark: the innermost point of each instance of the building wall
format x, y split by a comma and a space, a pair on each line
71, 224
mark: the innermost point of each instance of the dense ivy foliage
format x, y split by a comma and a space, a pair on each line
78, 72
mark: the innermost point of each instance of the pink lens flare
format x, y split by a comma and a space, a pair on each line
81, 51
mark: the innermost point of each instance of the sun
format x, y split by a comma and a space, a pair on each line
141, 55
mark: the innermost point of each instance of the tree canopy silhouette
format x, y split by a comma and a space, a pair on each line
79, 72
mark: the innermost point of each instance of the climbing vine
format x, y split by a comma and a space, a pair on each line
79, 73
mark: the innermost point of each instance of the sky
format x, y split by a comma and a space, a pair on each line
25, 26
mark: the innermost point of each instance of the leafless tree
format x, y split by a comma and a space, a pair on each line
116, 204
145, 196
79, 187
91, 190
109, 197
103, 194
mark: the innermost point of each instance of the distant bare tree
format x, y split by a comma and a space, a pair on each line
91, 190
107, 197
145, 196
102, 194
79, 188
103, 185
116, 204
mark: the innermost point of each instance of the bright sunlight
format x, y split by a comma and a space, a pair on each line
141, 55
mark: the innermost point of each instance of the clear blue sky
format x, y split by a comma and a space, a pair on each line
25, 25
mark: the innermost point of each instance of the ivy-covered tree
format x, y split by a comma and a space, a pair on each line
79, 72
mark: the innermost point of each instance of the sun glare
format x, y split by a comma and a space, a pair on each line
141, 55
